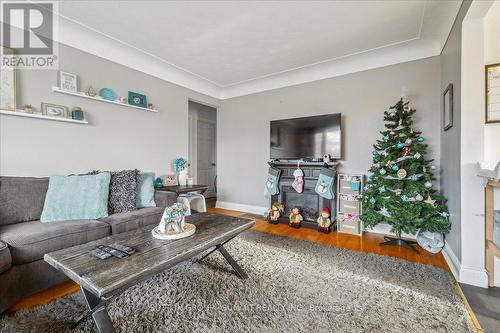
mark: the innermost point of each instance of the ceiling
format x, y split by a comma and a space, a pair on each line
231, 48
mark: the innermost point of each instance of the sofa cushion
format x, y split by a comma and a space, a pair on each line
76, 198
145, 190
29, 241
5, 258
165, 199
123, 222
122, 191
21, 198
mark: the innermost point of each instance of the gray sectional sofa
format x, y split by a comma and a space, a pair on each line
24, 239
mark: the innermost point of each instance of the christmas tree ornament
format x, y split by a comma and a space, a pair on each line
298, 182
414, 177
404, 197
389, 163
420, 139
398, 191
375, 153
372, 200
391, 132
433, 167
419, 197
444, 214
381, 189
366, 187
406, 151
408, 141
395, 167
400, 145
428, 184
430, 201
273, 177
401, 173
417, 155
324, 185
386, 138
382, 171
384, 212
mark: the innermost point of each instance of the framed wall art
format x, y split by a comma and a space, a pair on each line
448, 107
137, 99
68, 81
7, 82
54, 110
492, 90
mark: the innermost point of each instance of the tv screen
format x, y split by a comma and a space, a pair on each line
307, 138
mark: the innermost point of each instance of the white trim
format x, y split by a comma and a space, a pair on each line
452, 260
474, 276
259, 210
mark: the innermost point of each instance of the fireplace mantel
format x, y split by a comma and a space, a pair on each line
309, 202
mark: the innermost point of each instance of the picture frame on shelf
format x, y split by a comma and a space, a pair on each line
448, 107
492, 91
137, 99
7, 82
55, 110
170, 180
68, 81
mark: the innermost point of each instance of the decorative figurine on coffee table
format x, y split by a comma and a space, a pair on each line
324, 221
295, 218
275, 212
173, 224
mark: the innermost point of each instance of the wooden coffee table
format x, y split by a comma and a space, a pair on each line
100, 280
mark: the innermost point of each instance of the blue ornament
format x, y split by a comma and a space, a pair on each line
366, 188
375, 153
381, 189
386, 138
400, 145
420, 139
158, 182
395, 167
372, 200
414, 177
404, 197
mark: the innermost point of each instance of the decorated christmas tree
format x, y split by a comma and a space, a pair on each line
399, 189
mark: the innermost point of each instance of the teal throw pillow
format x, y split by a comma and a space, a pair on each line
145, 190
76, 198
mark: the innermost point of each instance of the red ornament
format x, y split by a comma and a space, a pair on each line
407, 150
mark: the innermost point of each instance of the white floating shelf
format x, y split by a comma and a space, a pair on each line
21, 113
82, 94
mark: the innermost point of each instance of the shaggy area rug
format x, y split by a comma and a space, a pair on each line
293, 286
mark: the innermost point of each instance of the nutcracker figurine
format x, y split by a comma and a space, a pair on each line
275, 212
295, 218
324, 221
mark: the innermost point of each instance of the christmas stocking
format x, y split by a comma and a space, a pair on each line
273, 178
324, 186
298, 183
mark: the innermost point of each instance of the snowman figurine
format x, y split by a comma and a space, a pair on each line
295, 218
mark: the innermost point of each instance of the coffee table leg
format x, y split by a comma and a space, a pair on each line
239, 271
98, 309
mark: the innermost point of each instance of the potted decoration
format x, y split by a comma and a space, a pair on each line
28, 108
181, 167
173, 224
295, 218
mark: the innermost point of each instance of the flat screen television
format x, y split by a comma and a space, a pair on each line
306, 138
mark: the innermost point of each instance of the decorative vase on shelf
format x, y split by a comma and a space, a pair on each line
183, 177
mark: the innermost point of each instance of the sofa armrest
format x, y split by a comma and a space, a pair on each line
5, 258
164, 198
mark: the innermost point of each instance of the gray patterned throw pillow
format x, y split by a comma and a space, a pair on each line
122, 191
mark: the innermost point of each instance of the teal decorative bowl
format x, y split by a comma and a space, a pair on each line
108, 94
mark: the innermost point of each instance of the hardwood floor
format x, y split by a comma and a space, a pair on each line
368, 243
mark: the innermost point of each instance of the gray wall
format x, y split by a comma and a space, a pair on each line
116, 138
243, 122
450, 139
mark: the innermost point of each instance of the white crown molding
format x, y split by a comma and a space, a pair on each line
91, 41
428, 43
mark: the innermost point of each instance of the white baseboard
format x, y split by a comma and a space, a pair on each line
258, 210
452, 261
474, 276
